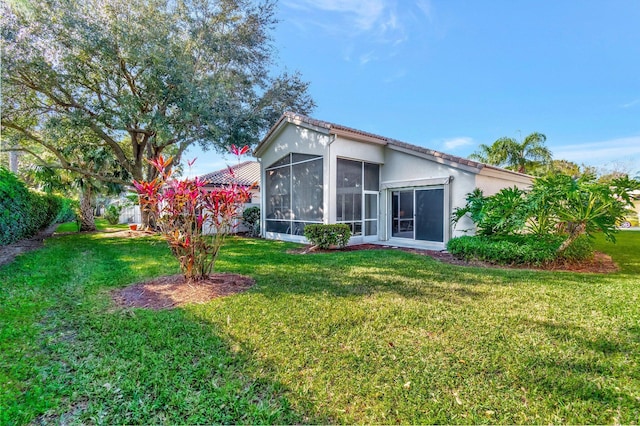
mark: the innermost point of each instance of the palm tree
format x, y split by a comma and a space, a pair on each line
511, 154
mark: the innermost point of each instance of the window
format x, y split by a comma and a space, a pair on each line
293, 193
357, 193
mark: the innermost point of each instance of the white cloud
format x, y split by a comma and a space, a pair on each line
367, 57
631, 104
425, 8
382, 21
602, 152
363, 14
455, 143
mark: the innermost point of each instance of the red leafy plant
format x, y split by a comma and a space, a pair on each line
183, 208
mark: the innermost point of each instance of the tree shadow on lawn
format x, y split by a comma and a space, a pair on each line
142, 366
592, 372
363, 273
108, 365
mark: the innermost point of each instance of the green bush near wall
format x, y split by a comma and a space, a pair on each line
522, 249
23, 212
511, 250
326, 236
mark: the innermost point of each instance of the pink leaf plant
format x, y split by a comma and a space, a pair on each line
186, 212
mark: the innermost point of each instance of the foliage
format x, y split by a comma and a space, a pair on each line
354, 337
555, 205
68, 211
112, 213
140, 79
580, 249
23, 212
251, 219
183, 209
499, 214
518, 156
511, 250
327, 236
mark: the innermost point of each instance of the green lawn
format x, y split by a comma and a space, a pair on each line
353, 337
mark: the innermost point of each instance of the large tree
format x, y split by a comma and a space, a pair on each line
145, 77
518, 156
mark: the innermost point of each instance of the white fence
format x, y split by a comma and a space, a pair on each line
130, 214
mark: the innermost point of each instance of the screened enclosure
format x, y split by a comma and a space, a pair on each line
293, 193
357, 189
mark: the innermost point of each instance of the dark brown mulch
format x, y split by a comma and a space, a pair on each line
600, 264
174, 291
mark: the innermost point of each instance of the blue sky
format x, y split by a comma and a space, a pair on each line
451, 74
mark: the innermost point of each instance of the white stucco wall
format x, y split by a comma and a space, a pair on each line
490, 181
295, 139
406, 170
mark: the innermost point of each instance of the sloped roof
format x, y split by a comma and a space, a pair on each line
340, 130
245, 173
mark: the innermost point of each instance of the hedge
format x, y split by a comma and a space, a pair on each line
326, 236
524, 249
23, 212
512, 250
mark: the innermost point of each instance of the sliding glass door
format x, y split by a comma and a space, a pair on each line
418, 214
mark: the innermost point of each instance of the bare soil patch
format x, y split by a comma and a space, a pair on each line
127, 233
600, 264
174, 291
9, 252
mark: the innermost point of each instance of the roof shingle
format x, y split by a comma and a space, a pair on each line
246, 173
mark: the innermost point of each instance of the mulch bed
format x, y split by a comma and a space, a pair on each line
174, 291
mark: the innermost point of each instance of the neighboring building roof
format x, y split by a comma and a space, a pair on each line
246, 173
340, 130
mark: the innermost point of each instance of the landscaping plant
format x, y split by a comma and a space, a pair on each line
182, 209
24, 212
112, 214
325, 236
251, 219
557, 208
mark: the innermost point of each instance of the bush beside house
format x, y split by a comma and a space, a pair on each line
23, 212
554, 221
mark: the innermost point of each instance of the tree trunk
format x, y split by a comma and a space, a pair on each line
13, 162
577, 230
148, 218
87, 222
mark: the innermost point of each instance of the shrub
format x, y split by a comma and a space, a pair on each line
503, 213
580, 249
67, 211
251, 219
183, 208
112, 214
512, 250
23, 212
326, 236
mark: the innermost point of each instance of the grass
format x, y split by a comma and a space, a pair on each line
101, 225
350, 337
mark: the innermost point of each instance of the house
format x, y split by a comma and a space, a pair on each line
386, 190
246, 173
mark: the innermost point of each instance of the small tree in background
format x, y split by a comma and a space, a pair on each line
182, 208
521, 157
